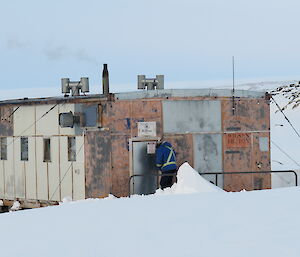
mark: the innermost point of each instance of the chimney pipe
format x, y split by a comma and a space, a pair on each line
105, 80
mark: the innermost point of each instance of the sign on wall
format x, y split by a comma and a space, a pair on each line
238, 140
147, 129
151, 147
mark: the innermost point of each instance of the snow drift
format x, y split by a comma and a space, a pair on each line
189, 181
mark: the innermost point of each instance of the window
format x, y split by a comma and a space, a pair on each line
71, 149
3, 148
47, 150
91, 115
24, 148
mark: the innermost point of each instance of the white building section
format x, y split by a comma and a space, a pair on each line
43, 161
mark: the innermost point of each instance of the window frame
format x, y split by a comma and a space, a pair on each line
71, 148
47, 149
3, 149
24, 149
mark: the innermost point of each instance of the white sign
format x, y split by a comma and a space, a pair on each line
151, 147
147, 129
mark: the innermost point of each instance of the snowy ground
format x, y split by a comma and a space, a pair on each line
208, 222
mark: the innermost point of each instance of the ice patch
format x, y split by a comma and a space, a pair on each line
189, 181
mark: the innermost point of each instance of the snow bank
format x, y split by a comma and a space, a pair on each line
189, 181
16, 206
248, 224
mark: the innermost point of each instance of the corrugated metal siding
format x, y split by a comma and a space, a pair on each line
24, 121
78, 171
42, 126
35, 179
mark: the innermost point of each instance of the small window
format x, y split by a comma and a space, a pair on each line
91, 115
3, 148
47, 150
71, 149
24, 148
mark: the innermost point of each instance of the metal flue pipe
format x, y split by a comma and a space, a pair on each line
105, 80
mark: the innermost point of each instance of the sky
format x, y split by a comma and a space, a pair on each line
187, 41
191, 42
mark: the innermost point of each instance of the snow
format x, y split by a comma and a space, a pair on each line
189, 181
16, 206
192, 219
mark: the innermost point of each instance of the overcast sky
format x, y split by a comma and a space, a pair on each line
191, 40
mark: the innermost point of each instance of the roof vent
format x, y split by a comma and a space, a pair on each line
151, 83
75, 86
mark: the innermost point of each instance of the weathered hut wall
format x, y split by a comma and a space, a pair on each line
6, 121
246, 145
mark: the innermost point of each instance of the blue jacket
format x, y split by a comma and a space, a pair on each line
165, 157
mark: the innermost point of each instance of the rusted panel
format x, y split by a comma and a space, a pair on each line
250, 115
120, 166
234, 140
236, 159
261, 161
97, 149
116, 116
241, 150
6, 121
122, 117
146, 111
183, 146
246, 159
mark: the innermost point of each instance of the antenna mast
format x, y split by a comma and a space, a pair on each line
233, 103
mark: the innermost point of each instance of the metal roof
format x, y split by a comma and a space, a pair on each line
143, 94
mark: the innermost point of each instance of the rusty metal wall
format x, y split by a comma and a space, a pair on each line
250, 115
97, 149
120, 165
122, 116
241, 149
6, 121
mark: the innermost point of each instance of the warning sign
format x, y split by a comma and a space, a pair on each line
238, 140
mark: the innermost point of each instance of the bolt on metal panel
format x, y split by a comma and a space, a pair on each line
186, 116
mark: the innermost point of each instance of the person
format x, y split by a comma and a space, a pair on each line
166, 162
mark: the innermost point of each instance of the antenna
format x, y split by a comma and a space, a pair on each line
233, 103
